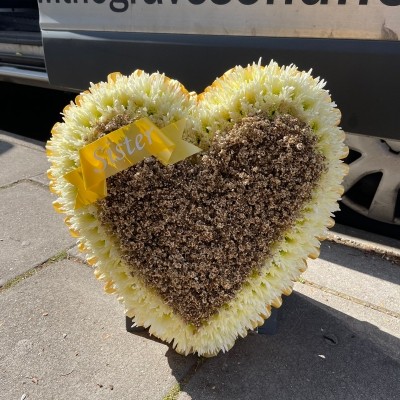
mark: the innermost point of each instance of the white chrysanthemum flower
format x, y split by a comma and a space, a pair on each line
270, 90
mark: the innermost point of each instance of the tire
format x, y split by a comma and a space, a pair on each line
371, 200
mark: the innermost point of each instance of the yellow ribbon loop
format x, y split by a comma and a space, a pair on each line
85, 196
122, 148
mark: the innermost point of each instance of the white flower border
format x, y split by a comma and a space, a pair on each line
241, 91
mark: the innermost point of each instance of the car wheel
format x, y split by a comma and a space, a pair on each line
371, 199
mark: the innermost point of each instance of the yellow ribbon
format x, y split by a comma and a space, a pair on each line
122, 148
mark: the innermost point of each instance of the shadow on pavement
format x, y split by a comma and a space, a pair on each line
313, 356
360, 261
4, 147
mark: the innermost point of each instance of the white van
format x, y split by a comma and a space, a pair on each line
352, 44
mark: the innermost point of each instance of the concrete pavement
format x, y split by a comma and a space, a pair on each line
62, 337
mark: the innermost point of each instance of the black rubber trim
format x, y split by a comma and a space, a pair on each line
28, 38
362, 75
30, 63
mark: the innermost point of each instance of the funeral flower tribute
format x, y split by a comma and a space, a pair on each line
199, 211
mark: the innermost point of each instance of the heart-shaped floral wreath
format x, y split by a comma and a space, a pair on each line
200, 250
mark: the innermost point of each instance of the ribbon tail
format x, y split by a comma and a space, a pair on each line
183, 148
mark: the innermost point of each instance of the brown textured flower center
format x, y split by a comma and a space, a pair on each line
195, 232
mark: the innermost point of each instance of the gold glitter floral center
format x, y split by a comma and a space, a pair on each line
194, 232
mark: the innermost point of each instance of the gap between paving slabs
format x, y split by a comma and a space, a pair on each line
39, 180
25, 180
62, 255
387, 248
349, 298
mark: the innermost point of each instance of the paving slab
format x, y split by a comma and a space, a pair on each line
361, 319
357, 273
30, 230
313, 356
20, 158
63, 338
